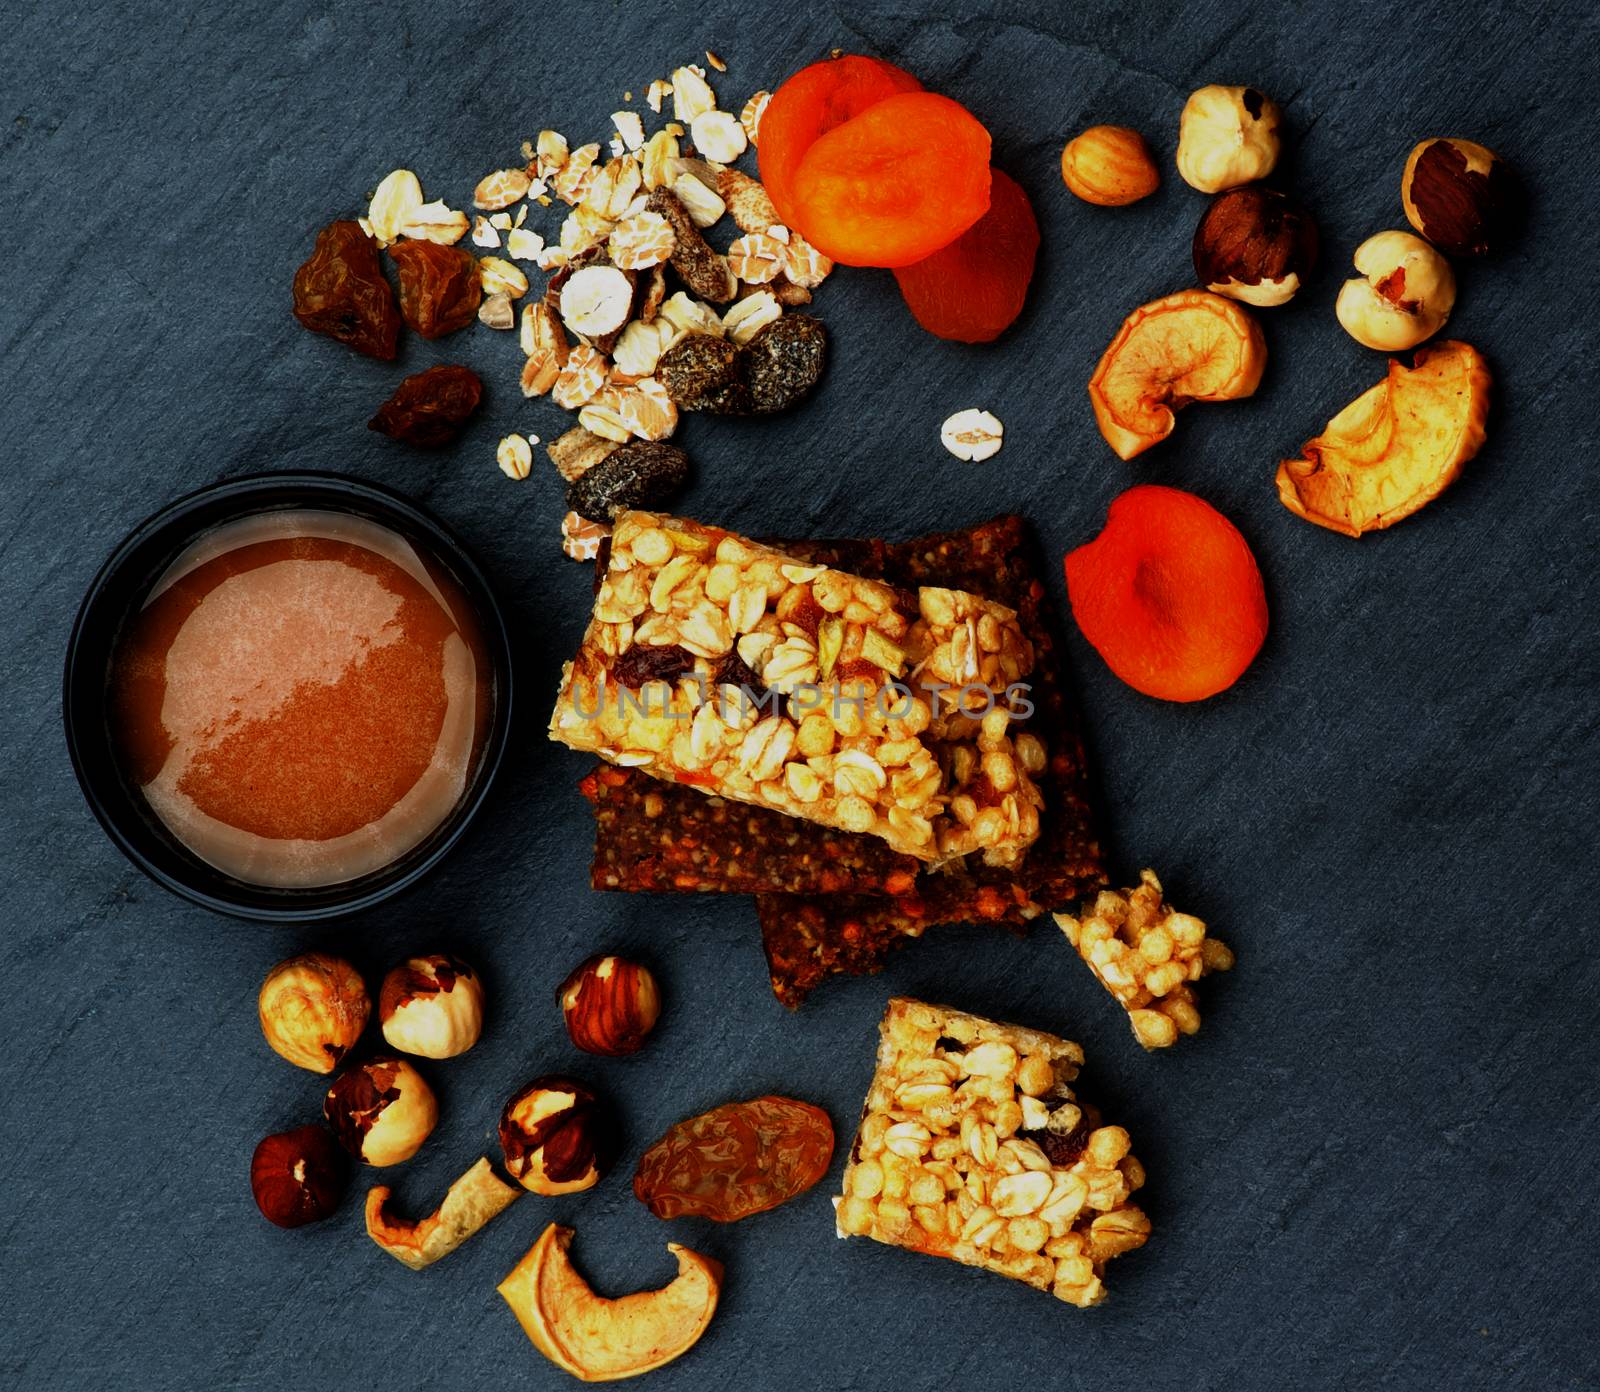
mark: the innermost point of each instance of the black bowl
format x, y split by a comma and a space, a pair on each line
121, 586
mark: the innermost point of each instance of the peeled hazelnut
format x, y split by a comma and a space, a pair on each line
1462, 197
1255, 244
431, 1006
381, 1110
610, 1005
558, 1136
1406, 296
298, 1176
313, 1008
1109, 166
1227, 136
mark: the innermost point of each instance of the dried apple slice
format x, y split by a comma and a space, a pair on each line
600, 1340
468, 1205
1395, 447
1192, 346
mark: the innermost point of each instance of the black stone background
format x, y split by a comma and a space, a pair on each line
1376, 1165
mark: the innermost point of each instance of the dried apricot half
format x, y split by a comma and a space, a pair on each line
907, 176
1169, 595
973, 289
1394, 448
812, 103
1192, 346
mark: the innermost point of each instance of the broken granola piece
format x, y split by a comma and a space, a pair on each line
578, 451
1146, 954
702, 269
973, 1145
581, 539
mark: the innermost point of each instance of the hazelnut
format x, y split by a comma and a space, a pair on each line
381, 1110
1462, 197
431, 1006
1227, 136
313, 1008
298, 1176
610, 1005
1406, 296
1109, 166
558, 1136
1255, 244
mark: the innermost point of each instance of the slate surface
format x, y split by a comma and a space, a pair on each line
1376, 1167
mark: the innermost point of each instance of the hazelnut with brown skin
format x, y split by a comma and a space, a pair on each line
1404, 295
382, 1110
1462, 197
558, 1136
1256, 245
298, 1176
431, 1006
610, 1004
1227, 136
313, 1008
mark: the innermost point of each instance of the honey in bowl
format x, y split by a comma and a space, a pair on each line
302, 698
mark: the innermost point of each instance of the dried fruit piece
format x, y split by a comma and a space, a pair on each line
783, 362
430, 408
439, 286
1395, 447
904, 178
736, 1160
809, 105
1191, 346
1109, 166
479, 1195
703, 271
1169, 595
641, 475
704, 373
972, 434
973, 290
340, 290
599, 1340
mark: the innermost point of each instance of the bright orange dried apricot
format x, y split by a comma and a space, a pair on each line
973, 289
907, 176
1169, 594
812, 103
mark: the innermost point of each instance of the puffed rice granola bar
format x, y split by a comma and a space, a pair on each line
1146, 954
973, 1146
717, 662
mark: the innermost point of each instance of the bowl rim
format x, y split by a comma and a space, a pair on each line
324, 488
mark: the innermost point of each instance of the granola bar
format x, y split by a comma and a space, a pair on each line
1146, 953
689, 619
974, 1146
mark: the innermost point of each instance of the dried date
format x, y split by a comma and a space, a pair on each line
736, 1160
440, 288
783, 362
340, 291
430, 408
641, 474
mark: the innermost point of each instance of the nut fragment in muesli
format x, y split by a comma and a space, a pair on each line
784, 362
973, 1145
1146, 953
642, 474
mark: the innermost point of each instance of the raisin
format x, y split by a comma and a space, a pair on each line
644, 474
430, 408
340, 291
783, 362
439, 286
643, 663
704, 373
736, 1160
735, 671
